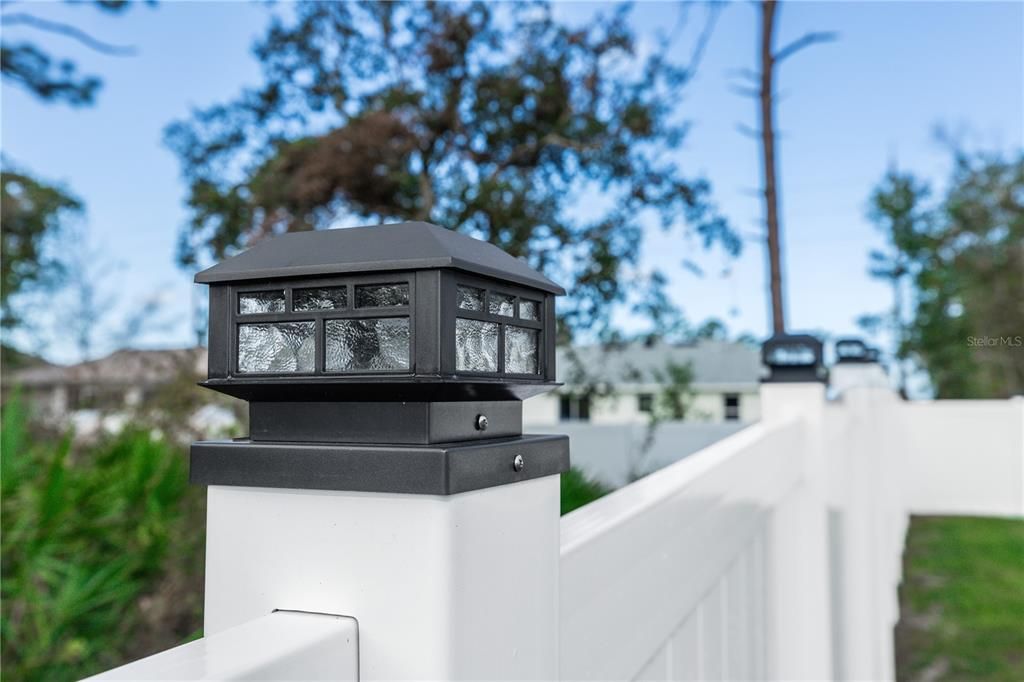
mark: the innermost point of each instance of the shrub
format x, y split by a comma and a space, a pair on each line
87, 533
578, 490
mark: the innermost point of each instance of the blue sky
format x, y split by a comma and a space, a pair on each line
848, 108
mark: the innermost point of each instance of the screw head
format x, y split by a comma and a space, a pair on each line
518, 463
481, 422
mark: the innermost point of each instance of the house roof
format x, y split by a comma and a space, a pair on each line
128, 366
400, 246
714, 363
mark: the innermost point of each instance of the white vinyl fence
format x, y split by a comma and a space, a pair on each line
772, 554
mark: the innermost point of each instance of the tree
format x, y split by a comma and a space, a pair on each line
488, 119
763, 88
896, 208
31, 213
965, 258
31, 67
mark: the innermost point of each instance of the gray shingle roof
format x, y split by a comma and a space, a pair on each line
400, 246
122, 367
714, 363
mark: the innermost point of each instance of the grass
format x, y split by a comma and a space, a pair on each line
962, 600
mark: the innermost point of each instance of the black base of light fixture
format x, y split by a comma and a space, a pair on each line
384, 423
439, 469
796, 375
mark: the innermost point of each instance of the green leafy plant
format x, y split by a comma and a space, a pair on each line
578, 489
99, 550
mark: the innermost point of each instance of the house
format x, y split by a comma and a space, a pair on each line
120, 381
628, 381
621, 385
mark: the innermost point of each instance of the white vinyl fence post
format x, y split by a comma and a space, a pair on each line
871, 518
799, 609
443, 587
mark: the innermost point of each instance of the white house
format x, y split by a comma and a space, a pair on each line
724, 388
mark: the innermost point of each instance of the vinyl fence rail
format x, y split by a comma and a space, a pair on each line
774, 554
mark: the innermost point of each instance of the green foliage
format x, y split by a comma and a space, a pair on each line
486, 118
964, 257
92, 538
675, 392
962, 600
31, 213
578, 489
53, 80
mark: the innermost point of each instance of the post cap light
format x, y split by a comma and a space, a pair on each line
407, 334
854, 350
794, 358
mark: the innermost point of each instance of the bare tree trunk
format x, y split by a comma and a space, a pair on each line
771, 201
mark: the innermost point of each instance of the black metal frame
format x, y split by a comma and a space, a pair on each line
319, 318
501, 288
422, 311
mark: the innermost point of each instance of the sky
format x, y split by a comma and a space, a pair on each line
847, 110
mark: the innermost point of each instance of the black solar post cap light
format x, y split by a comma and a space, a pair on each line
794, 358
389, 358
854, 350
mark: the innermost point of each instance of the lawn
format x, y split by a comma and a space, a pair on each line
962, 600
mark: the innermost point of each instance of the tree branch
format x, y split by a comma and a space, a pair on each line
806, 40
67, 31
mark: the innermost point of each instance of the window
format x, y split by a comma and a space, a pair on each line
645, 402
732, 407
324, 327
496, 332
256, 302
574, 408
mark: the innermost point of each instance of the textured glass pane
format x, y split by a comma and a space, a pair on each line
331, 298
470, 298
254, 302
367, 345
277, 347
791, 355
529, 310
476, 346
498, 304
377, 295
520, 350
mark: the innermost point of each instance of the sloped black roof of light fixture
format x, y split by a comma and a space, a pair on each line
376, 248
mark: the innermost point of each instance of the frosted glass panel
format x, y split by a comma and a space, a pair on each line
367, 345
470, 298
277, 347
498, 304
378, 295
476, 346
529, 310
327, 298
520, 350
253, 302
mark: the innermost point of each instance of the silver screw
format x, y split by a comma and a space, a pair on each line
518, 463
481, 422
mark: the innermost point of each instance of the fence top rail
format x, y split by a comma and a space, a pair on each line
594, 519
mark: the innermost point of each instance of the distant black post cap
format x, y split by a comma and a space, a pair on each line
852, 350
794, 358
